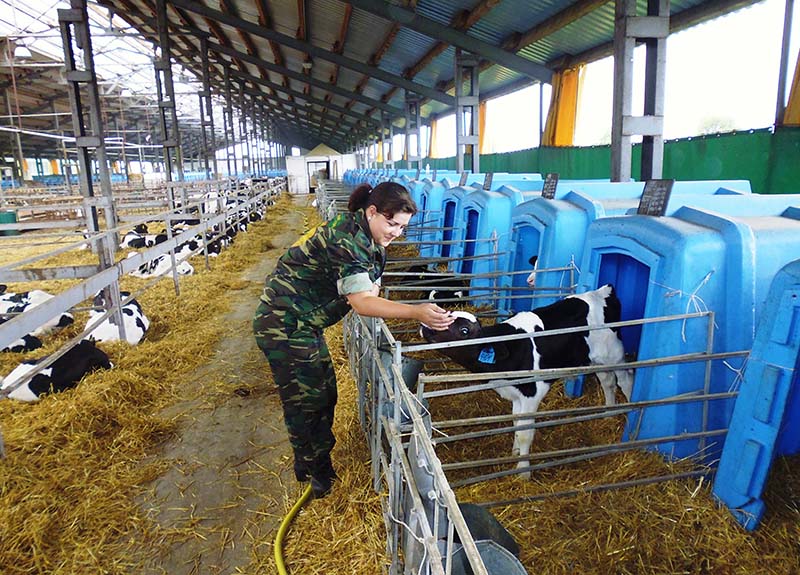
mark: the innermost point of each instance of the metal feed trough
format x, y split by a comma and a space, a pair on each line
420, 508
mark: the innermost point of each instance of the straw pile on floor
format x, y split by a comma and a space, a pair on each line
77, 460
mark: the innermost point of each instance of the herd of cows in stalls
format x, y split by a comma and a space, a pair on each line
85, 357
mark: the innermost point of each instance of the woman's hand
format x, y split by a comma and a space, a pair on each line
434, 317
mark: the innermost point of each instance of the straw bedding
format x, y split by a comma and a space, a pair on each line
669, 527
76, 462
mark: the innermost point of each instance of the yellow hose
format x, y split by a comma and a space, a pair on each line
284, 528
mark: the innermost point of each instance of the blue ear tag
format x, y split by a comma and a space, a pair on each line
486, 355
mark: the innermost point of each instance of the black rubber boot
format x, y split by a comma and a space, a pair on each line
322, 479
321, 486
301, 472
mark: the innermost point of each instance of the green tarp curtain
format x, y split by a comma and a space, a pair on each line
769, 159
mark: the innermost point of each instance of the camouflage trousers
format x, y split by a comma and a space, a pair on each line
303, 371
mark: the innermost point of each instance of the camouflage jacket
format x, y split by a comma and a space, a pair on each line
313, 277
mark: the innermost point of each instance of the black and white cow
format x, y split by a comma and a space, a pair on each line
16, 303
135, 237
63, 373
161, 265
596, 347
436, 285
139, 237
135, 322
27, 342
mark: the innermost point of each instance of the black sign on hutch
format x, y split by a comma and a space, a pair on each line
655, 197
417, 176
487, 182
550, 185
463, 180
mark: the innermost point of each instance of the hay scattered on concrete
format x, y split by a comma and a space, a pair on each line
76, 460
344, 532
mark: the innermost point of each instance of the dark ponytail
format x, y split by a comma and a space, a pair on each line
359, 197
389, 198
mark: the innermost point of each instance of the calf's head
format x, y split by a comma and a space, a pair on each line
477, 357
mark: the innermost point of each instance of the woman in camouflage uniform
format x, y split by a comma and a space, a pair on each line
315, 283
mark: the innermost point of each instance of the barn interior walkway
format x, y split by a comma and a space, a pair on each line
223, 495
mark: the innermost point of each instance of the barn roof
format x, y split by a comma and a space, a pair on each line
326, 69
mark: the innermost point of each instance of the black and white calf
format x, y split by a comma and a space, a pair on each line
135, 323
134, 238
161, 265
436, 285
531, 279
63, 373
27, 342
595, 347
139, 237
16, 303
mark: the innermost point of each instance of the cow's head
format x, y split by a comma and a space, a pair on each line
466, 326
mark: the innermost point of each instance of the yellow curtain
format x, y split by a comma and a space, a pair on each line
484, 142
433, 144
559, 129
791, 116
379, 146
54, 166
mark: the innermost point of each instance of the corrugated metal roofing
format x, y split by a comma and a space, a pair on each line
373, 71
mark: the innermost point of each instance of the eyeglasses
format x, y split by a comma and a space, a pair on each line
393, 223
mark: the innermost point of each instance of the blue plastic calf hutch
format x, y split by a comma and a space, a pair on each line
691, 261
440, 223
766, 417
465, 222
555, 230
452, 221
456, 217
415, 188
430, 204
485, 237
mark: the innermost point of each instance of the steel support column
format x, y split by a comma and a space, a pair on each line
230, 133
466, 83
243, 138
653, 29
387, 128
89, 142
165, 88
207, 116
412, 129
